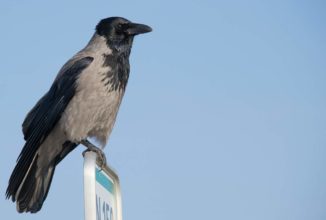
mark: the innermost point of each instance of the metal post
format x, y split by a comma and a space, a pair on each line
102, 194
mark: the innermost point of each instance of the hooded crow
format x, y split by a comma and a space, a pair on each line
82, 103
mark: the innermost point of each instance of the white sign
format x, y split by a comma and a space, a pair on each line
102, 193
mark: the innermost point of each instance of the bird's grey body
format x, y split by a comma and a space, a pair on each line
82, 103
93, 109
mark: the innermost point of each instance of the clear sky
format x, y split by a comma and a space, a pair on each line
224, 114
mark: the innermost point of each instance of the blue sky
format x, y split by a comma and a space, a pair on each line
224, 114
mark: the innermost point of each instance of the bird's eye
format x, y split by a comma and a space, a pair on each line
119, 27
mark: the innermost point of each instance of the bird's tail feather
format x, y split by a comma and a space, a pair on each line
30, 182
32, 191
36, 189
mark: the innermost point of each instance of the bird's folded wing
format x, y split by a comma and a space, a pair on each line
48, 110
43, 117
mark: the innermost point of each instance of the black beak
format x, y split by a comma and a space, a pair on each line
134, 29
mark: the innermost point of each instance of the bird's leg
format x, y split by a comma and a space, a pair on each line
98, 151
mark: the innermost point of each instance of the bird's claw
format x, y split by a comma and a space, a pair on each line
100, 154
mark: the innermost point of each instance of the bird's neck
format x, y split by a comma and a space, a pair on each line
116, 56
119, 69
98, 44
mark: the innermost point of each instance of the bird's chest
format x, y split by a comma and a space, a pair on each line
93, 110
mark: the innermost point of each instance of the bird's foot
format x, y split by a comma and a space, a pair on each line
100, 154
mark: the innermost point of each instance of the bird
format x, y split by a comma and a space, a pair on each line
81, 104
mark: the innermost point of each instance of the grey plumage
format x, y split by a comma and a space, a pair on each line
83, 102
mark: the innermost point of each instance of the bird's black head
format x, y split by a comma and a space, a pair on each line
120, 32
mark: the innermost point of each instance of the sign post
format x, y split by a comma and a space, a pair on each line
102, 195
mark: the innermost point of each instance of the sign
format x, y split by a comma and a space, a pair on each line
102, 195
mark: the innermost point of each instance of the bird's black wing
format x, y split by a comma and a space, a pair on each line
43, 117
49, 108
